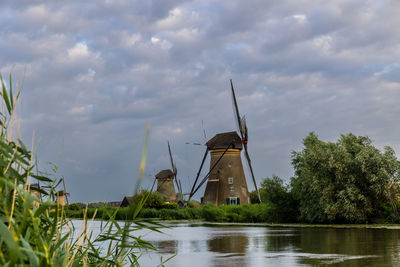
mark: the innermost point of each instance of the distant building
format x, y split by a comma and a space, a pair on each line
126, 201
114, 203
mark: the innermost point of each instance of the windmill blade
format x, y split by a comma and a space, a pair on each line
246, 154
243, 129
195, 144
174, 170
236, 111
204, 131
244, 134
198, 174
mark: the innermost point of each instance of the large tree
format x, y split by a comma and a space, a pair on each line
345, 181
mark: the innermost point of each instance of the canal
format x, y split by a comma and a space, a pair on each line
210, 245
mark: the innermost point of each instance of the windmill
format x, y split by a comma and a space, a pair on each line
165, 180
34, 190
226, 182
62, 195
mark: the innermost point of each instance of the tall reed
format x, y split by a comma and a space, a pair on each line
33, 228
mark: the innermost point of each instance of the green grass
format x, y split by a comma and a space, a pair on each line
251, 213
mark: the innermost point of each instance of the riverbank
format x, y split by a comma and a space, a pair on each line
245, 215
296, 225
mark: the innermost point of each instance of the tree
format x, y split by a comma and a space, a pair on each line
275, 193
154, 199
344, 181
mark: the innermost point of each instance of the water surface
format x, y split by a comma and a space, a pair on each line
209, 245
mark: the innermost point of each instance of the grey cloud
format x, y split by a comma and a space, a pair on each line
96, 72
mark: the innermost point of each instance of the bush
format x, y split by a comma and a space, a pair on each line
74, 206
169, 205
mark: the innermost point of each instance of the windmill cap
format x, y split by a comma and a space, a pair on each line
35, 185
164, 174
223, 140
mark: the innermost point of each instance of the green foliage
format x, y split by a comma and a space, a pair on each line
344, 181
169, 205
74, 207
280, 198
254, 196
251, 213
391, 213
193, 204
154, 199
97, 205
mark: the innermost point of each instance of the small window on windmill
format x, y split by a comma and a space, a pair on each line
232, 200
230, 180
232, 192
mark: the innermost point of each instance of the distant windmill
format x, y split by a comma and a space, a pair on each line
34, 190
226, 182
62, 195
165, 180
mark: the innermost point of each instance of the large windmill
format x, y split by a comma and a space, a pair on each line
165, 181
226, 182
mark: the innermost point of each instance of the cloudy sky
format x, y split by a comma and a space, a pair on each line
94, 73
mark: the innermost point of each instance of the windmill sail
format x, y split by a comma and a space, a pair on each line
174, 170
241, 122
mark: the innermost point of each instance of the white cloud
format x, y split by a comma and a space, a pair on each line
87, 77
80, 50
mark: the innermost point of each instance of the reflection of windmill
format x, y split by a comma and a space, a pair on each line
62, 195
165, 180
226, 183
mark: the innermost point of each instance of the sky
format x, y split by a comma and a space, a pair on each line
92, 74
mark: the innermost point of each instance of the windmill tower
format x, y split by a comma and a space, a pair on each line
34, 191
226, 182
165, 184
62, 196
165, 181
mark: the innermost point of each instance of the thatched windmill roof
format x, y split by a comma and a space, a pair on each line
165, 174
223, 140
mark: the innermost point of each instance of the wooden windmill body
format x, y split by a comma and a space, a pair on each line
34, 191
226, 183
61, 198
165, 184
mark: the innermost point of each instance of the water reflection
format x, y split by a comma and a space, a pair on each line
204, 245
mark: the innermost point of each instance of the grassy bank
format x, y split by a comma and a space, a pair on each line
252, 213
